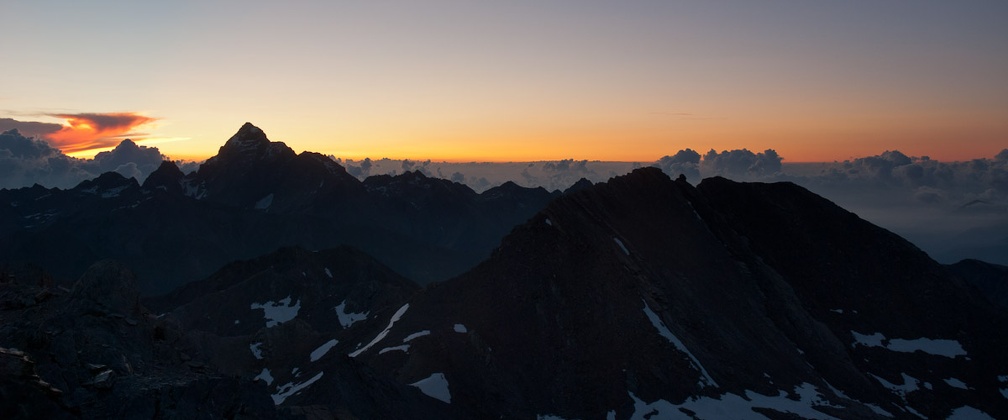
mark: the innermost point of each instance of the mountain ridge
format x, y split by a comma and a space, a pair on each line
252, 198
548, 307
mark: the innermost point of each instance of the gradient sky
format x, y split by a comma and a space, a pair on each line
527, 80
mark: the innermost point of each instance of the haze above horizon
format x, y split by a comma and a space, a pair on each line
463, 81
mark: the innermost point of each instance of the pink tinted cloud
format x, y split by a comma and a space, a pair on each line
87, 131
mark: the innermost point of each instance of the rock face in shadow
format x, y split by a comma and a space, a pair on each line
645, 294
106, 288
93, 352
288, 321
991, 280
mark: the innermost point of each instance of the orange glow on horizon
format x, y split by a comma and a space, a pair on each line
800, 140
791, 146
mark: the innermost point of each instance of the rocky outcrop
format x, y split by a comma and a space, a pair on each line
94, 352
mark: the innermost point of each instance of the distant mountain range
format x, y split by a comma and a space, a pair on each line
640, 297
251, 198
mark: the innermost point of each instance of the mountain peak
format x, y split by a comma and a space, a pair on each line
247, 137
168, 177
251, 144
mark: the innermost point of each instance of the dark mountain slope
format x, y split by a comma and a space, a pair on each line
316, 282
290, 318
94, 352
644, 294
641, 297
991, 280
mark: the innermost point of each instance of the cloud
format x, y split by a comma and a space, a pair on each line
89, 131
742, 164
130, 160
685, 162
29, 128
25, 161
360, 172
931, 181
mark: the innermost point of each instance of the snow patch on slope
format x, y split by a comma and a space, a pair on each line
403, 348
434, 386
936, 347
381, 335
323, 349
874, 340
290, 388
346, 319
735, 407
265, 202
278, 313
415, 335
664, 332
621, 246
265, 376
956, 383
968, 413
256, 351
947, 348
909, 385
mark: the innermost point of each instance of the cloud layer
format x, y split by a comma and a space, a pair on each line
952, 210
25, 161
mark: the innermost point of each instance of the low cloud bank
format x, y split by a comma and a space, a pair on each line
25, 161
952, 210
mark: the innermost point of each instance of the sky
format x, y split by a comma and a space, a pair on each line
512, 81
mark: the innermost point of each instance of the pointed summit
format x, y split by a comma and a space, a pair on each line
251, 144
167, 177
248, 137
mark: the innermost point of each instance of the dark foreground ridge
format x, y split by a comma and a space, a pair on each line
641, 297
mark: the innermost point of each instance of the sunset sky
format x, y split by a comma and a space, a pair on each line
513, 81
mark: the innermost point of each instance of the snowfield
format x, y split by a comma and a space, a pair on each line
278, 313
346, 319
286, 390
434, 386
731, 406
936, 347
381, 335
323, 349
665, 332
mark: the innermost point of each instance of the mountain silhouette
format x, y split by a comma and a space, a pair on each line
251, 198
287, 288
